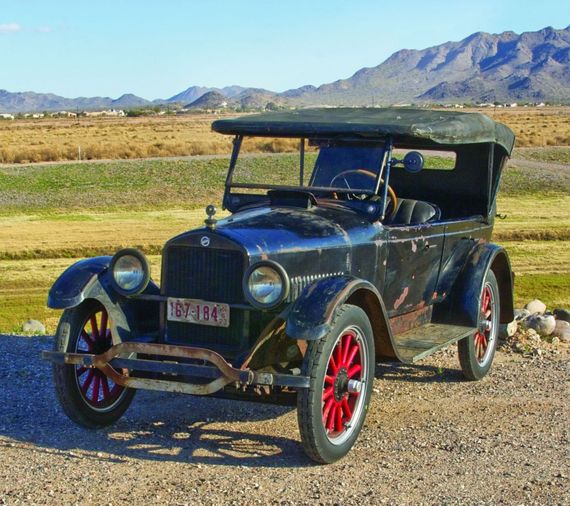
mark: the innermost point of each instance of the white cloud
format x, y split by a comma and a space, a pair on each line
10, 27
45, 29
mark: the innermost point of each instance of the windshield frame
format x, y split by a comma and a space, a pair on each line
382, 170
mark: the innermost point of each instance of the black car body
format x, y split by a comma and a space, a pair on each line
399, 254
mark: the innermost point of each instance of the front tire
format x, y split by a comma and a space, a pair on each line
332, 410
86, 395
476, 352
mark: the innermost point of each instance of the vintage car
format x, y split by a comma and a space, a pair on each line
368, 241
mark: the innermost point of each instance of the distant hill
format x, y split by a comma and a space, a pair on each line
29, 101
506, 67
533, 66
209, 100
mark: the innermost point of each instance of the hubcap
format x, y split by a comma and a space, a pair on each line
343, 399
484, 338
98, 391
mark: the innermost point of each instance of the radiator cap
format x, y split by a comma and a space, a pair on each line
210, 221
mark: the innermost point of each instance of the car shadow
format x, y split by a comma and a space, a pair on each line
418, 373
157, 426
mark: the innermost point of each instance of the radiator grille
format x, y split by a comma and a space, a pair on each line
210, 274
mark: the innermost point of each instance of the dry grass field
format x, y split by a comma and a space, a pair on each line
48, 140
28, 141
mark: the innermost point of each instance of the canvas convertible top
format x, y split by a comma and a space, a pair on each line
408, 126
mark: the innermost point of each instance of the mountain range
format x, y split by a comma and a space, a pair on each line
506, 67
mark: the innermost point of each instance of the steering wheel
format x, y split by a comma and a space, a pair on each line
370, 174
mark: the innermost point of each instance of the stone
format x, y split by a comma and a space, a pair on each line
521, 314
508, 329
34, 327
562, 314
532, 335
536, 307
543, 325
562, 330
555, 341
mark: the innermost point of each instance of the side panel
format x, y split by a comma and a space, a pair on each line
412, 270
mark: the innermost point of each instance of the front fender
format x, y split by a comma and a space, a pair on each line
310, 317
69, 289
463, 303
90, 279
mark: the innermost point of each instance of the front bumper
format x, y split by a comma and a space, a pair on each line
120, 360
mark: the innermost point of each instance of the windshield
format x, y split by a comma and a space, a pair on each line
323, 166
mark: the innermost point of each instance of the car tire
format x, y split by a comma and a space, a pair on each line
340, 367
477, 351
87, 396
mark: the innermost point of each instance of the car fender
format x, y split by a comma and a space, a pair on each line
91, 279
463, 303
311, 316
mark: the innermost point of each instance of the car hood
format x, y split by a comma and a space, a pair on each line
268, 231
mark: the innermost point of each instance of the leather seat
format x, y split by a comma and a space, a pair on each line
414, 212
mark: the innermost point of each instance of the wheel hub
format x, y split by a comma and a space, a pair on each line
341, 384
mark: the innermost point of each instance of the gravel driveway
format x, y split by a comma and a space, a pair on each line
430, 438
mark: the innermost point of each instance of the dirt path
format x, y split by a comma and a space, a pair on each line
430, 438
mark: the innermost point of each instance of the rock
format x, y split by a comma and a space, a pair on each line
34, 326
508, 329
536, 307
543, 325
562, 330
555, 341
562, 314
521, 314
532, 335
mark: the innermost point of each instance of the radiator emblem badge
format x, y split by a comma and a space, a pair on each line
205, 241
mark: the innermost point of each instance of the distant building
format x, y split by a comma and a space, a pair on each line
63, 114
109, 112
6, 116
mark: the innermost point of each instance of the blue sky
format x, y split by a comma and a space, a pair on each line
157, 49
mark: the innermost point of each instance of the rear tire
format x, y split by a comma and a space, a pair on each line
340, 366
476, 352
86, 395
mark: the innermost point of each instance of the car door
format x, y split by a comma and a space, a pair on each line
412, 266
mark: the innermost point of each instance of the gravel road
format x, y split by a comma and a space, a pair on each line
430, 438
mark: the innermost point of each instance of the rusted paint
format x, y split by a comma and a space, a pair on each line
401, 298
402, 323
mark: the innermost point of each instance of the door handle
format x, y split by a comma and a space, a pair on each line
429, 246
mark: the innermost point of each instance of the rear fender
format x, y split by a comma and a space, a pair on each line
311, 316
91, 279
463, 303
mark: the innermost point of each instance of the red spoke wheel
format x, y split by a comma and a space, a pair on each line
87, 395
476, 353
341, 367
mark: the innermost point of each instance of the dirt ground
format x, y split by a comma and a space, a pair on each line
429, 438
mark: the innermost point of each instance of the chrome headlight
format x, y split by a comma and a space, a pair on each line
130, 271
266, 284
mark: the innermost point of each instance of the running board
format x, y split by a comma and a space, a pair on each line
422, 341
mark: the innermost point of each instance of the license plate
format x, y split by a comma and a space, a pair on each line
198, 311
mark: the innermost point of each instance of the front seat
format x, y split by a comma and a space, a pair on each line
414, 212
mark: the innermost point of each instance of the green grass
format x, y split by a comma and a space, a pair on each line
52, 215
553, 155
137, 185
552, 289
